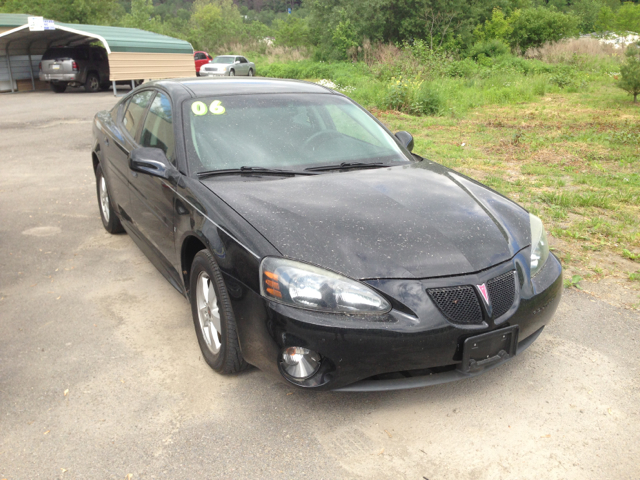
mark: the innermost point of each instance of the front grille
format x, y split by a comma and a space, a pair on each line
459, 304
502, 292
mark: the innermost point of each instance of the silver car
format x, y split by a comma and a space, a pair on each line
228, 65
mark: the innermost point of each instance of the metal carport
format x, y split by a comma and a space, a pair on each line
133, 54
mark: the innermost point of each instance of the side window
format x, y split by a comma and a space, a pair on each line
238, 60
135, 111
243, 60
158, 127
200, 56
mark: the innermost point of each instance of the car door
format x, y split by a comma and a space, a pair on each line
119, 144
238, 67
245, 65
200, 59
152, 198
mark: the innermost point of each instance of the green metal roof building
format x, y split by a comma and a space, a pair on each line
133, 53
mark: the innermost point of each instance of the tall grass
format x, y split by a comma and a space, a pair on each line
415, 80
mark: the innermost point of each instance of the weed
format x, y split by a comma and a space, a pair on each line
631, 256
574, 281
634, 276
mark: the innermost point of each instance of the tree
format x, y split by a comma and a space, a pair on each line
604, 20
497, 27
141, 17
533, 27
627, 18
630, 72
99, 12
291, 32
215, 23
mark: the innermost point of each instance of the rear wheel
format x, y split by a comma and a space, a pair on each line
251, 72
58, 87
110, 220
213, 316
92, 84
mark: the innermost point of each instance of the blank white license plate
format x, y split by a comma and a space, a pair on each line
55, 67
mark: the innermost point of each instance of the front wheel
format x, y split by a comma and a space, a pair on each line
213, 316
232, 73
110, 220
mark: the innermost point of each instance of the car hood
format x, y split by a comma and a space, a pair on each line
416, 221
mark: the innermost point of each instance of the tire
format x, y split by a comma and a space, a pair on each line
110, 220
232, 73
251, 72
58, 87
220, 348
92, 84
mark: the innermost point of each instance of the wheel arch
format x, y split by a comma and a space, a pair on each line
190, 247
95, 160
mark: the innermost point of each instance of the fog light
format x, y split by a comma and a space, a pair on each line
300, 362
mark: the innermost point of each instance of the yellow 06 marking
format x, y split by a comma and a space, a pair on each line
216, 107
199, 108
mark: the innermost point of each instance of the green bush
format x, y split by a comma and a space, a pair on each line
428, 102
489, 48
533, 27
464, 68
630, 72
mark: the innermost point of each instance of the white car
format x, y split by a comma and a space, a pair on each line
228, 65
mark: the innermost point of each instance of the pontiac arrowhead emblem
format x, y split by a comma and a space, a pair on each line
483, 291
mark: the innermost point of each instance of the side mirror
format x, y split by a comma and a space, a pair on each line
406, 139
151, 161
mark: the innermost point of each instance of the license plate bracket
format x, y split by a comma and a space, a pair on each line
488, 349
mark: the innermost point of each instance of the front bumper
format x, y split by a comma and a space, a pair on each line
213, 74
413, 345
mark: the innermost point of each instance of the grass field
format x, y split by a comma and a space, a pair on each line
571, 158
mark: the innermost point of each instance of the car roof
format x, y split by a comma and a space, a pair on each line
205, 87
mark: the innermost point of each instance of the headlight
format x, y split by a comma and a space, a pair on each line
306, 286
539, 244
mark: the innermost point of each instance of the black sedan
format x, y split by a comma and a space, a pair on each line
312, 243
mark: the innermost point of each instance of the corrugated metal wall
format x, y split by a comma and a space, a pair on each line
19, 69
133, 66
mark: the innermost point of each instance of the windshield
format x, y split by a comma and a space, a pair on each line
286, 131
227, 60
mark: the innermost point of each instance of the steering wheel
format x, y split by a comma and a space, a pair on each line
320, 134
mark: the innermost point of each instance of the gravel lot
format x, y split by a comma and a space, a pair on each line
101, 375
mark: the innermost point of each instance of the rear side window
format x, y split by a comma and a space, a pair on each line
135, 111
158, 127
61, 53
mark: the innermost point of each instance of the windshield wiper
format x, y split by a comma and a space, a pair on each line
345, 165
256, 170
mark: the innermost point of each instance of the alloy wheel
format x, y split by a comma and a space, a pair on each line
104, 199
208, 312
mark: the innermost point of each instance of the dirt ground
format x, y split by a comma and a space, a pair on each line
101, 375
